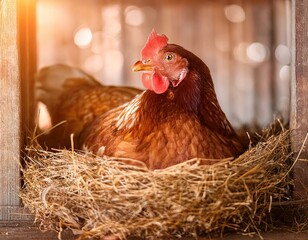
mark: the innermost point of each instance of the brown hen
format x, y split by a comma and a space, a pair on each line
177, 118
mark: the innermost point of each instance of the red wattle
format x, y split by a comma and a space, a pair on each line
146, 80
159, 84
155, 82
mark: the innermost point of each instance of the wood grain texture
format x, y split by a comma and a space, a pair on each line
22, 230
27, 230
10, 109
299, 91
17, 65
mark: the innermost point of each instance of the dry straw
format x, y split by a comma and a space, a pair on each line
97, 197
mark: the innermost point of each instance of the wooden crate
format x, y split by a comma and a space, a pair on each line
17, 66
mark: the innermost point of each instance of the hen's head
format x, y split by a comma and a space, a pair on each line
161, 65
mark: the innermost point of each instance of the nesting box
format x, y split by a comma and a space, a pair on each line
18, 65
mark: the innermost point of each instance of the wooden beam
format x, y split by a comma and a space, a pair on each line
17, 67
299, 96
10, 108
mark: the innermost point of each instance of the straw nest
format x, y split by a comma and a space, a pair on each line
103, 196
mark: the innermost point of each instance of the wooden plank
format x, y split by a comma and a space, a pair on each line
26, 230
10, 109
17, 65
299, 96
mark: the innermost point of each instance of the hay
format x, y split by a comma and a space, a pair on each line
97, 196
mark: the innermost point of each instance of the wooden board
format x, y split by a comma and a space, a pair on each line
299, 100
26, 230
10, 109
17, 65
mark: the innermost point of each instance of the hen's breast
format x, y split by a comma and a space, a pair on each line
173, 141
179, 140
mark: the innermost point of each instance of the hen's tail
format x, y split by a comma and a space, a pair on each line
54, 87
74, 99
54, 81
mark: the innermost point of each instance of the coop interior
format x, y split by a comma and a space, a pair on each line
246, 45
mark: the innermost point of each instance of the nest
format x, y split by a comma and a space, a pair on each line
102, 196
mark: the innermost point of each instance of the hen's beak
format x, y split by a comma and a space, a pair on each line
139, 66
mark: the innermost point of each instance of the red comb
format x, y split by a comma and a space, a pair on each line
154, 43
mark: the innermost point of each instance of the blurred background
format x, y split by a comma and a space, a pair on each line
245, 43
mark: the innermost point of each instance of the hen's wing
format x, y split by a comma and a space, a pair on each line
111, 129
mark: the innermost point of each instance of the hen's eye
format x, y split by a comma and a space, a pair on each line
169, 57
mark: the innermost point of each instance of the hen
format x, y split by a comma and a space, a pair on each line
74, 99
177, 118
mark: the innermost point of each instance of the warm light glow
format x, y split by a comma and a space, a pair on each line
222, 44
235, 13
115, 60
83, 37
113, 29
44, 120
111, 20
240, 52
94, 63
283, 54
113, 65
111, 11
134, 16
97, 42
257, 52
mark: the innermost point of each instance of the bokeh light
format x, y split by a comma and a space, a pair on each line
283, 54
235, 13
134, 16
285, 73
44, 120
83, 37
251, 53
257, 52
111, 24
